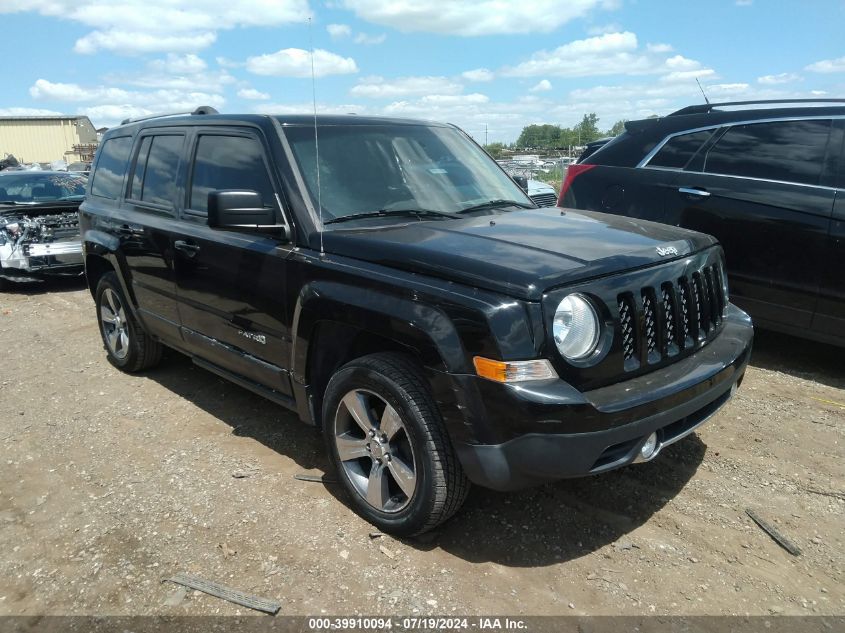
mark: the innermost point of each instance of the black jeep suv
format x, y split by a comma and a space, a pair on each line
767, 181
389, 283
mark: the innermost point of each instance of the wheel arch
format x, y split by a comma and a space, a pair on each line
334, 324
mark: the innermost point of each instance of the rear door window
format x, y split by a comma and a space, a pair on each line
788, 151
159, 179
228, 162
111, 167
678, 150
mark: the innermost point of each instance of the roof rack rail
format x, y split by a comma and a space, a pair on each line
199, 110
708, 107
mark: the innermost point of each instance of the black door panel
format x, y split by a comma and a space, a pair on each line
773, 234
145, 242
231, 291
830, 316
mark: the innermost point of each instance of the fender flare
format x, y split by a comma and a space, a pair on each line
425, 328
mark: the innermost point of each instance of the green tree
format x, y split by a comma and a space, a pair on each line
496, 150
617, 128
539, 136
588, 129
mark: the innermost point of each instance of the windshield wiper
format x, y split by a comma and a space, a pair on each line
383, 213
497, 204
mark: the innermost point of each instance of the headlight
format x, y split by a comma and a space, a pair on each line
576, 327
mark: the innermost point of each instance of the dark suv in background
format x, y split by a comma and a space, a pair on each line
395, 288
768, 181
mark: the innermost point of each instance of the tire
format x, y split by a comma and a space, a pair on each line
398, 468
128, 347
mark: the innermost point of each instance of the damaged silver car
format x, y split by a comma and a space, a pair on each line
39, 225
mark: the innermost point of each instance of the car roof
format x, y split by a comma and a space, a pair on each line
691, 117
323, 120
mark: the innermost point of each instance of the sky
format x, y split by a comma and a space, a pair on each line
489, 66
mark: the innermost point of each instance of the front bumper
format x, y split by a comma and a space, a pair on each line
603, 429
35, 260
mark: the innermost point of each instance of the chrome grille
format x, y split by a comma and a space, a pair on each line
544, 199
672, 317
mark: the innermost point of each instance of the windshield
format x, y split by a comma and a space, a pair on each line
368, 168
32, 187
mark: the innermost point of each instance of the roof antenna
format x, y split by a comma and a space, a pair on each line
706, 100
316, 142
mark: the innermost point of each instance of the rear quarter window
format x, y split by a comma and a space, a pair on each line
678, 150
107, 179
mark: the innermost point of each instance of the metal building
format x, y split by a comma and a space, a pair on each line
43, 139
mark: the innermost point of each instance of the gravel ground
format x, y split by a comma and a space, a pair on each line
111, 483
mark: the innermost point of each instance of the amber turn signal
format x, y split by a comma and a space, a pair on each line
513, 371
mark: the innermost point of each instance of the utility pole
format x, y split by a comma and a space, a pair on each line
485, 135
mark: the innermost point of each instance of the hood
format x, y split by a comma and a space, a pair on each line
538, 186
520, 253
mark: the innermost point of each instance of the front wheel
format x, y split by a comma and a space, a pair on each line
387, 441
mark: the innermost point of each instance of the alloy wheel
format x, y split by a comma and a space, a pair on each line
375, 450
113, 323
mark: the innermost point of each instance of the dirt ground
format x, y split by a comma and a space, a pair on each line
111, 483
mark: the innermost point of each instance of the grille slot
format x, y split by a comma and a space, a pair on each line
650, 323
670, 332
676, 315
628, 326
702, 305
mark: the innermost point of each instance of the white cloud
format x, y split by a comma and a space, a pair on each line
380, 88
27, 112
744, 3
128, 42
608, 54
828, 66
252, 94
143, 26
471, 17
543, 85
781, 78
479, 74
339, 31
659, 48
49, 91
370, 40
307, 108
179, 64
176, 72
680, 76
601, 29
109, 105
342, 31
296, 62
450, 100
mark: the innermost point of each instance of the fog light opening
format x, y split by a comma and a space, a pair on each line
649, 449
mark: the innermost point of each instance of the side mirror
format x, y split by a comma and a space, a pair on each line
522, 181
244, 210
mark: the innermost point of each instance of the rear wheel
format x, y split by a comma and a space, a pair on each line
387, 441
128, 347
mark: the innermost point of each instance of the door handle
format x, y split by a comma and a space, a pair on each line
187, 248
125, 229
701, 193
